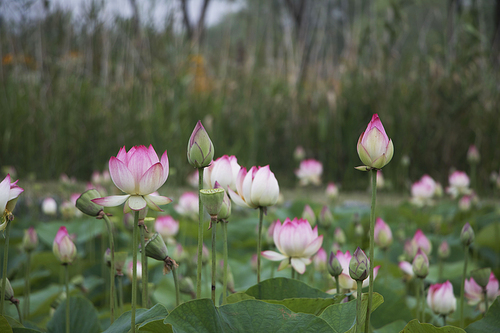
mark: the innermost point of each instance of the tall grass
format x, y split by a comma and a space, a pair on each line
72, 93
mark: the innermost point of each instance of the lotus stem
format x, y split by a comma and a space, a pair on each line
66, 281
372, 237
120, 293
485, 293
4, 271
214, 255
419, 296
134, 270
144, 278
19, 313
224, 278
337, 284
176, 285
462, 289
26, 310
112, 271
422, 301
359, 328
259, 240
200, 234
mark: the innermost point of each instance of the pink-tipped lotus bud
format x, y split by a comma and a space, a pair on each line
383, 234
441, 299
473, 155
334, 266
467, 235
85, 205
339, 236
375, 149
359, 266
444, 250
200, 151
30, 239
326, 217
64, 249
308, 214
420, 264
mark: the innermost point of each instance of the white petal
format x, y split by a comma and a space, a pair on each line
299, 265
111, 201
136, 202
273, 256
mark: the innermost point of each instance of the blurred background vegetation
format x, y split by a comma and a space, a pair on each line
274, 75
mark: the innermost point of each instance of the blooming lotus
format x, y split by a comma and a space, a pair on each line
474, 292
375, 149
256, 188
223, 170
423, 190
138, 172
188, 205
297, 242
309, 172
459, 184
166, 226
9, 192
383, 234
63, 247
345, 280
441, 299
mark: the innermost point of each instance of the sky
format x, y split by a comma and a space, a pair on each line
155, 10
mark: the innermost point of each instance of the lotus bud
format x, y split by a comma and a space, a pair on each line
467, 235
326, 217
473, 156
339, 236
120, 259
225, 211
334, 266
420, 264
441, 299
383, 234
107, 257
86, 206
308, 214
200, 151
49, 206
375, 149
481, 276
212, 200
30, 239
332, 191
359, 265
186, 285
64, 249
444, 250
299, 153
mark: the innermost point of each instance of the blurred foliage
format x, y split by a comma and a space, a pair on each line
73, 90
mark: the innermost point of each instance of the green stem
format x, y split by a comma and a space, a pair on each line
293, 273
200, 234
473, 168
144, 268
214, 256
112, 271
259, 239
19, 313
177, 290
485, 293
422, 301
462, 287
372, 236
134, 270
120, 293
4, 271
417, 307
224, 281
337, 284
440, 270
66, 281
26, 304
359, 328
444, 320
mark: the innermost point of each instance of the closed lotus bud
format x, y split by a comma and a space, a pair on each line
86, 206
326, 217
186, 285
375, 149
441, 299
339, 236
383, 234
64, 249
225, 210
473, 155
334, 266
332, 191
107, 257
120, 259
299, 153
481, 276
156, 248
308, 214
467, 235
9, 292
212, 200
359, 266
30, 239
49, 206
420, 264
200, 151
444, 250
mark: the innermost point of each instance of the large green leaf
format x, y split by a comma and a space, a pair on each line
83, 317
122, 324
394, 327
283, 288
4, 325
200, 316
24, 330
490, 322
415, 327
488, 236
155, 326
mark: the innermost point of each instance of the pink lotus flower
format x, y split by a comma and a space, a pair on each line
9, 192
383, 234
188, 205
375, 149
309, 172
320, 259
459, 184
223, 170
256, 188
423, 190
407, 268
63, 247
297, 242
474, 292
166, 226
30, 239
332, 191
420, 241
345, 280
441, 299
138, 173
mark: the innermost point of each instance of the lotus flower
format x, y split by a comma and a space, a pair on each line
9, 192
423, 190
441, 299
332, 191
375, 149
407, 268
223, 170
30, 239
297, 242
256, 188
138, 173
473, 155
49, 206
188, 205
63, 247
309, 172
345, 280
459, 184
421, 241
166, 226
474, 292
